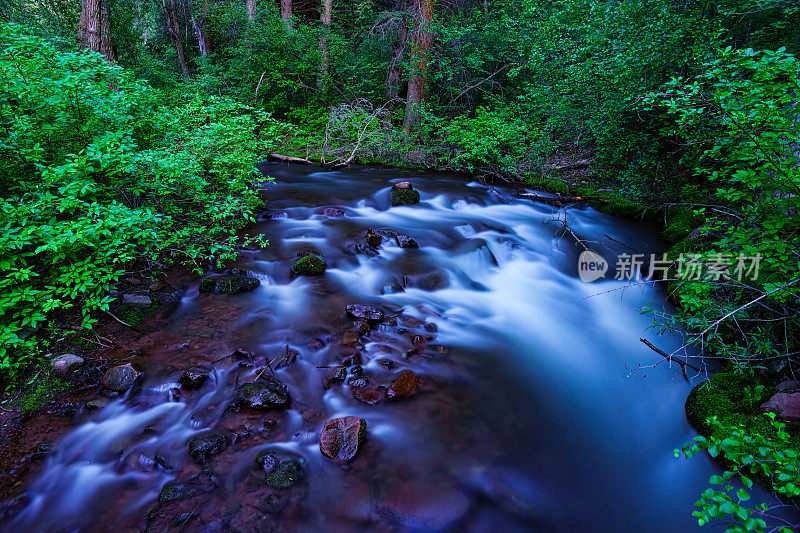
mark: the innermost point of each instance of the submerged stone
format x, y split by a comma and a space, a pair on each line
341, 437
204, 447
310, 265
268, 460
404, 386
237, 284
120, 378
263, 395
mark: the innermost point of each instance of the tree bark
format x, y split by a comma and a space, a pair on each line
419, 77
94, 28
325, 60
173, 28
394, 76
286, 12
251, 10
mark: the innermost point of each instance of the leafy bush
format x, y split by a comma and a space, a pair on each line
95, 173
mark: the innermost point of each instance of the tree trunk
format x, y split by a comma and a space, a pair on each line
173, 28
324, 64
251, 10
394, 76
419, 77
94, 28
286, 12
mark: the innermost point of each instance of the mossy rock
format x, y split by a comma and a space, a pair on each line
405, 197
171, 492
309, 265
286, 474
135, 316
204, 447
208, 285
237, 284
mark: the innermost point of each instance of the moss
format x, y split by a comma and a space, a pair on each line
310, 265
136, 315
680, 222
44, 388
208, 284
548, 184
237, 284
729, 397
285, 474
171, 492
405, 196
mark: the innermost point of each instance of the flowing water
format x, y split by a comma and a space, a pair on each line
527, 418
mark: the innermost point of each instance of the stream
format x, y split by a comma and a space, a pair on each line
529, 415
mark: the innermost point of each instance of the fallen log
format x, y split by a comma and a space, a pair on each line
571, 166
288, 159
563, 199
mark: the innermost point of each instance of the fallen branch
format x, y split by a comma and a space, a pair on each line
562, 199
288, 159
671, 358
120, 321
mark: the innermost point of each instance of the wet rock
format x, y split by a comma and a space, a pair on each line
386, 363
406, 195
392, 287
181, 519
785, 405
93, 405
357, 382
364, 312
336, 374
120, 378
204, 447
404, 386
309, 265
421, 507
273, 503
433, 282
270, 424
141, 301
240, 354
350, 337
372, 238
787, 386
361, 327
404, 241
332, 212
268, 460
208, 284
286, 474
66, 363
365, 249
419, 341
193, 378
237, 284
368, 395
357, 370
351, 359
239, 272
181, 490
341, 437
263, 395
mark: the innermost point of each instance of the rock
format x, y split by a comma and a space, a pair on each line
180, 490
237, 284
263, 395
365, 249
406, 196
120, 378
133, 281
423, 507
787, 386
392, 286
332, 212
357, 370
350, 337
404, 386
93, 405
433, 282
341, 437
310, 265
357, 382
368, 395
66, 363
336, 374
193, 378
361, 327
204, 447
386, 363
404, 241
785, 405
141, 301
286, 474
364, 312
268, 460
270, 424
181, 519
272, 503
373, 239
208, 284
403, 185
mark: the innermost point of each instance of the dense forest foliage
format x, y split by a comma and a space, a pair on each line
129, 131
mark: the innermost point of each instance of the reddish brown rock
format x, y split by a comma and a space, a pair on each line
373, 238
404, 386
341, 437
335, 375
787, 386
350, 337
785, 405
368, 395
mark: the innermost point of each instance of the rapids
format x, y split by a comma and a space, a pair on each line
528, 416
